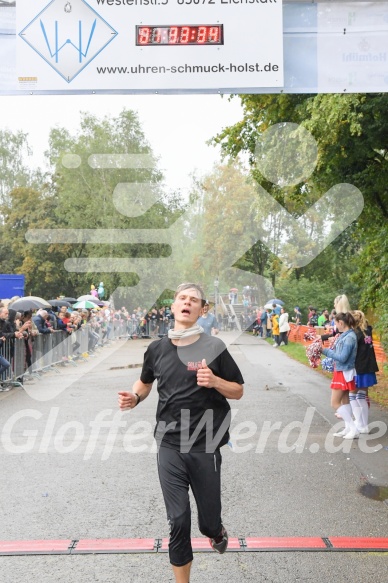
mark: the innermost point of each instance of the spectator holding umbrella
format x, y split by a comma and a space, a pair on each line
233, 295
268, 323
29, 331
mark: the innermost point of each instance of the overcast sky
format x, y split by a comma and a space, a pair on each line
177, 126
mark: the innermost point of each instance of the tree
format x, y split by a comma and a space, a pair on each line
101, 183
350, 131
41, 264
13, 172
226, 229
81, 209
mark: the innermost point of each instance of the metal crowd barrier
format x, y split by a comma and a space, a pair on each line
118, 329
6, 350
46, 351
123, 328
43, 352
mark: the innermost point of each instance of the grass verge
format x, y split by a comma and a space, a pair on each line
378, 393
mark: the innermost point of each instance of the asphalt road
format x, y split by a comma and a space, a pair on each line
73, 466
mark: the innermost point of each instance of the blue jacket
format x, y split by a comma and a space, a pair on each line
41, 325
344, 352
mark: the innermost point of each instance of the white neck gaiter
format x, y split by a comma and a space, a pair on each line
179, 334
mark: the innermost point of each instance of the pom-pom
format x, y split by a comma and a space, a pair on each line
313, 353
310, 334
328, 364
333, 340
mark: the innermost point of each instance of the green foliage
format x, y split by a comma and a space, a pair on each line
221, 227
41, 264
13, 172
86, 194
351, 133
315, 291
80, 195
372, 276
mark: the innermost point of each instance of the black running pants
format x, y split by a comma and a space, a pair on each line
202, 472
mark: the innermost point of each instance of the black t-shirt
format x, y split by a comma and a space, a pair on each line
190, 417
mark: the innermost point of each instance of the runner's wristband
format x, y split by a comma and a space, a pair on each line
138, 399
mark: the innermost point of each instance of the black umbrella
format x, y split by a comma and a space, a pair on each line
59, 303
26, 304
70, 300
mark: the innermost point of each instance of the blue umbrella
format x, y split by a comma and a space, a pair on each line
275, 301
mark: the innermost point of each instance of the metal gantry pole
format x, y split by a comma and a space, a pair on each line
216, 283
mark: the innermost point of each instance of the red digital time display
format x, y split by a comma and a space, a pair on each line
179, 35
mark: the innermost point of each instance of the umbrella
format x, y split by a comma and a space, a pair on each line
269, 306
70, 300
26, 304
85, 305
88, 298
275, 301
233, 289
44, 303
59, 303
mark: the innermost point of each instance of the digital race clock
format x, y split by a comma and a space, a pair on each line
179, 35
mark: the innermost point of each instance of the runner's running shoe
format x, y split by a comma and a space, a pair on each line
220, 543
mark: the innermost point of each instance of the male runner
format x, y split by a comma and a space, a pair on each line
208, 321
195, 376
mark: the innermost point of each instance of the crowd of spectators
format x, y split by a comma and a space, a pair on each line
102, 323
273, 322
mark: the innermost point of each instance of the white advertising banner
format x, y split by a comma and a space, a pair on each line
353, 47
146, 45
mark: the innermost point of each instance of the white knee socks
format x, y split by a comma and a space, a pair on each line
356, 410
346, 413
361, 400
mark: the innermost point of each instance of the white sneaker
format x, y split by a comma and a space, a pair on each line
282, 344
275, 346
363, 430
353, 434
341, 433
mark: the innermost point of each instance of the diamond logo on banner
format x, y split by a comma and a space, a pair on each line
68, 35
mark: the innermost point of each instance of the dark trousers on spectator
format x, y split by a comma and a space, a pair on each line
4, 365
284, 337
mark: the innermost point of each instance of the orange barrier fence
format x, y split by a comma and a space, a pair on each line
297, 335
